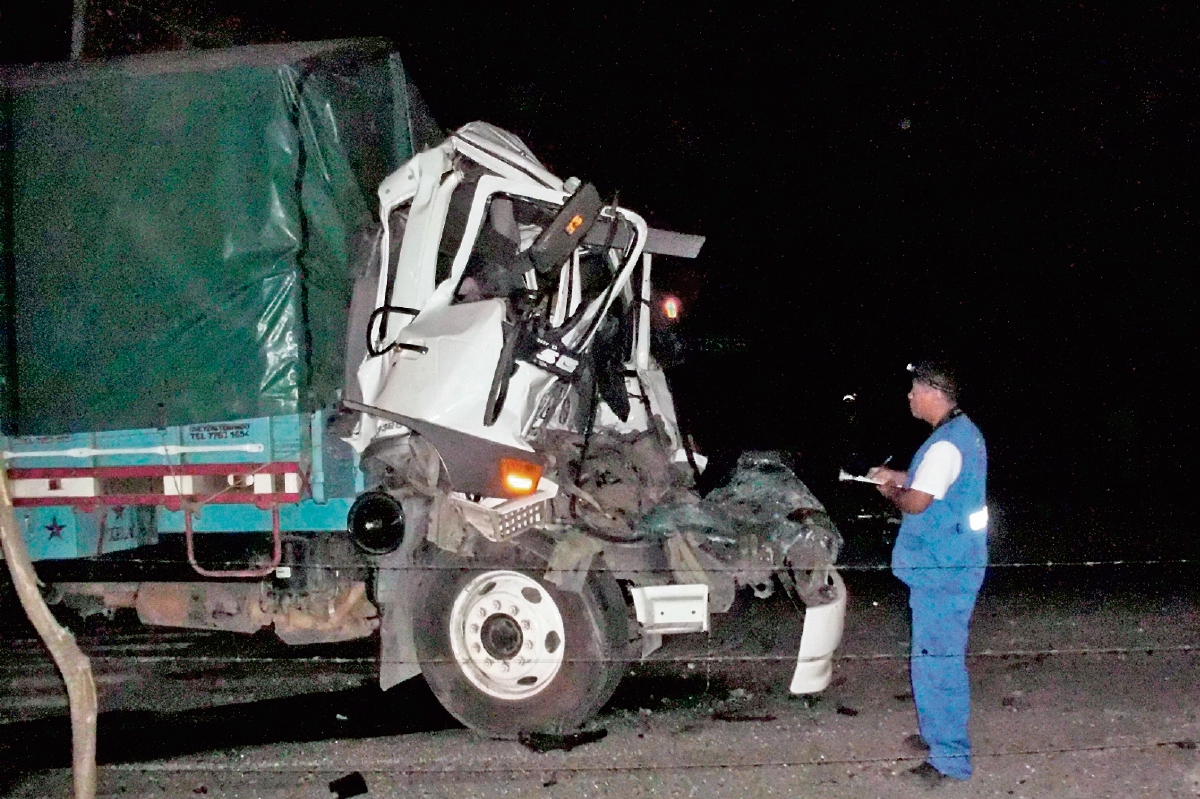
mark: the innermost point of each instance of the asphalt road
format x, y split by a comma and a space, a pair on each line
1083, 686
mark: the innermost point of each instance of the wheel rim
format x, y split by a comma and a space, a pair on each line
507, 635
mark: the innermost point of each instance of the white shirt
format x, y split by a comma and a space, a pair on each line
938, 470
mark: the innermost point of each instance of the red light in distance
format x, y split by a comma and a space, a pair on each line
671, 307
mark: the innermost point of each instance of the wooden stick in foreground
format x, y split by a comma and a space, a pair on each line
74, 665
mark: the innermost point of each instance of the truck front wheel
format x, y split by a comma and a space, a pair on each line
507, 652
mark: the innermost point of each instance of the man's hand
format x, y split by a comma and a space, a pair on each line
891, 485
887, 477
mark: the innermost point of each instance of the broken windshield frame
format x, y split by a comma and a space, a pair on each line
498, 262
623, 242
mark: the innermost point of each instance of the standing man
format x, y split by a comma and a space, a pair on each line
941, 555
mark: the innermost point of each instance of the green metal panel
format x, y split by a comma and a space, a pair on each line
180, 228
7, 334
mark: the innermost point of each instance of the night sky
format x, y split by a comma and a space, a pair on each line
1011, 188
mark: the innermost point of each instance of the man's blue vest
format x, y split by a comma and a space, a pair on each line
946, 545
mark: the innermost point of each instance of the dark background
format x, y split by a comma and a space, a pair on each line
1006, 186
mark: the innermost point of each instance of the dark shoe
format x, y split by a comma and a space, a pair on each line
927, 775
916, 743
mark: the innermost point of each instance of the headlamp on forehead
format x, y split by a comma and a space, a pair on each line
936, 374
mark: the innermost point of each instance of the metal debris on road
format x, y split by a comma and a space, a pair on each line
741, 715
352, 784
549, 741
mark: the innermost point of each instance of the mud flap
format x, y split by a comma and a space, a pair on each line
397, 655
396, 578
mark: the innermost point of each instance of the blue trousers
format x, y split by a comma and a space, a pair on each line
940, 618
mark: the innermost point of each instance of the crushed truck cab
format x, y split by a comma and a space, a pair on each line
283, 358
516, 429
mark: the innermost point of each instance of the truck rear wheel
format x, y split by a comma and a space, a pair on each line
506, 652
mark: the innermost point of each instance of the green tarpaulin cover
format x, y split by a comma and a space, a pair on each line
177, 230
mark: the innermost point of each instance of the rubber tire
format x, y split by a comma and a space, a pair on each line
595, 657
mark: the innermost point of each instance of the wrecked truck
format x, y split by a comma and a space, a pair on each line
432, 416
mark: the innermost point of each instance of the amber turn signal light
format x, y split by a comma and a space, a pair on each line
519, 477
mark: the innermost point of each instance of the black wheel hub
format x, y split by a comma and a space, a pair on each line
502, 636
